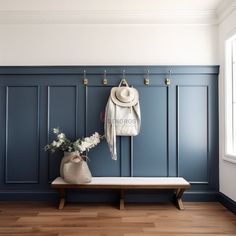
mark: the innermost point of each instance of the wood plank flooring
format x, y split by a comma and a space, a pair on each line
33, 218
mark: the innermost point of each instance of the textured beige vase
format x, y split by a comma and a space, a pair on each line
66, 158
74, 169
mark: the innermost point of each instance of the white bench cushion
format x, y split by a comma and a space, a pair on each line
165, 182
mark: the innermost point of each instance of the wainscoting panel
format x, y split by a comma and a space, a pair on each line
100, 160
179, 128
192, 133
22, 137
62, 113
150, 146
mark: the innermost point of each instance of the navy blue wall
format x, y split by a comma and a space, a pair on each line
179, 132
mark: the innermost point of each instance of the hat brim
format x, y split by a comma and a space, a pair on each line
124, 104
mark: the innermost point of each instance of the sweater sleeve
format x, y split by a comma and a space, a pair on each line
110, 129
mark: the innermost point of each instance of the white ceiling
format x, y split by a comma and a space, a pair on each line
65, 5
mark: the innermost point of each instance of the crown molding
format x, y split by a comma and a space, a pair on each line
109, 17
225, 8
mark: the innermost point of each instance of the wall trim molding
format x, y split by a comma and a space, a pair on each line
227, 202
111, 70
165, 16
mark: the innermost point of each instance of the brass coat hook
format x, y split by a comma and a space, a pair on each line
146, 79
85, 80
168, 79
105, 81
123, 81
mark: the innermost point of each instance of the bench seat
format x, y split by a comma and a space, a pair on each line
178, 184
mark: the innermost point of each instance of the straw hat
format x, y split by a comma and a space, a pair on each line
124, 96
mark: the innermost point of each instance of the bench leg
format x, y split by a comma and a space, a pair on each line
178, 196
122, 202
62, 198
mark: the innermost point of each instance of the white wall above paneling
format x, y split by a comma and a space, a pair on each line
133, 32
107, 45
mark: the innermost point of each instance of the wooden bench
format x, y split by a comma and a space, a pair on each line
178, 184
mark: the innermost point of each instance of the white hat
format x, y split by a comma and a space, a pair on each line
124, 96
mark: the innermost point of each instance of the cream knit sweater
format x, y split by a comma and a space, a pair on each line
120, 121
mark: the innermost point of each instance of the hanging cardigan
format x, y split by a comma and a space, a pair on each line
120, 121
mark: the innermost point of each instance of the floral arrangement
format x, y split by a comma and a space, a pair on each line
62, 143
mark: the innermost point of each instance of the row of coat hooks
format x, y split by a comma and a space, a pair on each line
146, 80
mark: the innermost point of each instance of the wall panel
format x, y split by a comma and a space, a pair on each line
22, 134
100, 162
150, 146
62, 113
179, 128
192, 116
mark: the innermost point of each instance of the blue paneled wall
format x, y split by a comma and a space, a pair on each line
179, 132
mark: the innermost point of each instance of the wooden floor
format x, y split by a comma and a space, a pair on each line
32, 218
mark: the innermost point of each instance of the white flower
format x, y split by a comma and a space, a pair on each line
85, 144
54, 143
87, 139
82, 148
55, 130
58, 144
61, 136
89, 142
80, 145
